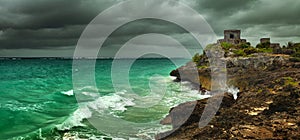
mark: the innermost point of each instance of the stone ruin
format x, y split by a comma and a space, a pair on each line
265, 40
272, 45
233, 37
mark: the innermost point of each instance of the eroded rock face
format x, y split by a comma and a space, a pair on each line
190, 112
234, 66
268, 106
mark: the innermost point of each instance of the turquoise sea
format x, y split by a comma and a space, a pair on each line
38, 100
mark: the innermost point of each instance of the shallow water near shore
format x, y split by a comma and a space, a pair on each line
37, 100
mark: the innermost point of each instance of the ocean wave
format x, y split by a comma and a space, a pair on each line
76, 136
68, 93
116, 103
18, 106
112, 103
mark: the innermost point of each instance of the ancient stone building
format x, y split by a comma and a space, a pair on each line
272, 45
265, 40
233, 37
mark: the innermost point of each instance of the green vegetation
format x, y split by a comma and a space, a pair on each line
202, 67
246, 50
201, 60
196, 58
295, 59
289, 81
250, 50
227, 46
293, 46
238, 53
263, 45
260, 91
292, 49
245, 45
265, 50
296, 54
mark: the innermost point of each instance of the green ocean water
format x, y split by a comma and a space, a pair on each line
38, 100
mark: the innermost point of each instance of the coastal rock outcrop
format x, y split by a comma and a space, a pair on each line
178, 116
267, 106
235, 66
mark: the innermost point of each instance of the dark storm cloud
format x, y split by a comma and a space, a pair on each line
51, 24
271, 12
145, 26
12, 38
45, 24
36, 14
223, 7
277, 19
57, 24
219, 12
256, 18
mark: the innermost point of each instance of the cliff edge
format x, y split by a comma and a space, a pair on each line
267, 107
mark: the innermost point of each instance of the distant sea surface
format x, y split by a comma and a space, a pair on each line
38, 100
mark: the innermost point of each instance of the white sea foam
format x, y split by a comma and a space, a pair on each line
76, 119
113, 103
120, 101
234, 91
75, 136
68, 93
18, 106
173, 77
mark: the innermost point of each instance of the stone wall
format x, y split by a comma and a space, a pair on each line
233, 37
265, 40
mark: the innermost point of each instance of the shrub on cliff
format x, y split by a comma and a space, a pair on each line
244, 45
265, 50
292, 49
200, 60
238, 53
227, 46
294, 46
295, 57
250, 50
196, 58
297, 54
263, 45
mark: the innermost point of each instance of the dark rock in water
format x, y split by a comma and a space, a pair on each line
268, 104
190, 112
174, 73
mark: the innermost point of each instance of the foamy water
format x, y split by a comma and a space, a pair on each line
117, 105
37, 99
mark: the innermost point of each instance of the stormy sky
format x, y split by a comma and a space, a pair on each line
51, 28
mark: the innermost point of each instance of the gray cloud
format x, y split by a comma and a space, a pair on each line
55, 25
35, 14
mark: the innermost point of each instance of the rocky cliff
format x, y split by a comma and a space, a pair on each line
267, 107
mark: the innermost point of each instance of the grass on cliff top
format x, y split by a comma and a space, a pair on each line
246, 50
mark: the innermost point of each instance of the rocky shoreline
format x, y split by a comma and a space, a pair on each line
267, 107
